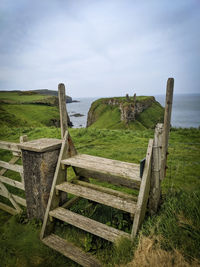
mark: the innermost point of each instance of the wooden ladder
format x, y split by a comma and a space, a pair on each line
87, 166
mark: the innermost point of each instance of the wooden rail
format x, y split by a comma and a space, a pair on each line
15, 200
9, 146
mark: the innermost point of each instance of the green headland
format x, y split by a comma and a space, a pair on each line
140, 113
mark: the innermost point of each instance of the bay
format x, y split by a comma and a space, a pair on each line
185, 110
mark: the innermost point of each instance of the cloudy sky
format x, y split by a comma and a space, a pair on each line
100, 47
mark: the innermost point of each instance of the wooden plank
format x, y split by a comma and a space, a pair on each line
71, 251
12, 167
11, 182
62, 108
19, 200
10, 146
12, 161
8, 209
100, 197
167, 124
87, 224
107, 161
105, 190
155, 190
116, 180
5, 193
105, 166
144, 192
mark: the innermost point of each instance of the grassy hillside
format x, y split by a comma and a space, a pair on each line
28, 109
171, 238
108, 117
36, 94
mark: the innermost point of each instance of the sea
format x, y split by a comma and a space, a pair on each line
185, 110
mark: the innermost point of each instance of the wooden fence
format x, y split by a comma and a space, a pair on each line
12, 165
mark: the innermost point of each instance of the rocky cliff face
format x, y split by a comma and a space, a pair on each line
129, 107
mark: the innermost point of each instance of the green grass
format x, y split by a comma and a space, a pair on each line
28, 115
177, 225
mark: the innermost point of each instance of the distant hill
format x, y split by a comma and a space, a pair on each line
52, 92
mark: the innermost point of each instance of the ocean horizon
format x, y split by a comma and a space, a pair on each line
185, 110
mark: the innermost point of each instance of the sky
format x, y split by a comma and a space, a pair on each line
100, 47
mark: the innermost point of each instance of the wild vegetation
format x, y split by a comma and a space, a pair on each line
172, 235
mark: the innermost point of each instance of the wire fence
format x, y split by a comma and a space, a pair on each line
183, 166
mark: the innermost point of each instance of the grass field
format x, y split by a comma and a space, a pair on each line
171, 237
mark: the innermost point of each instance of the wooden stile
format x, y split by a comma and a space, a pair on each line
108, 170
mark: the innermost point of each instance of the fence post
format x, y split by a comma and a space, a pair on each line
167, 124
155, 188
62, 108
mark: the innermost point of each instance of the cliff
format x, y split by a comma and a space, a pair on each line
125, 112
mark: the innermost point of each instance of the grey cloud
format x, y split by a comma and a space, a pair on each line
100, 48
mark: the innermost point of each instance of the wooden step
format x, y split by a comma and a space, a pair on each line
71, 251
87, 224
93, 192
104, 169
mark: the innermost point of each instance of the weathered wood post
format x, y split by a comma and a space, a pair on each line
167, 124
160, 148
71, 151
155, 191
63, 109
